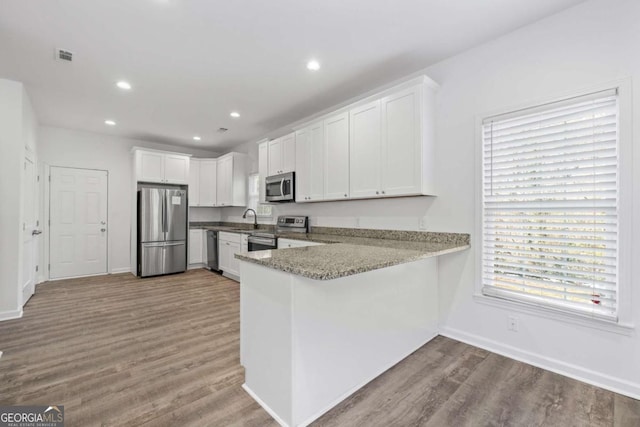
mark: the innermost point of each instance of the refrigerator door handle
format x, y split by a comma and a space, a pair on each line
164, 213
153, 245
174, 244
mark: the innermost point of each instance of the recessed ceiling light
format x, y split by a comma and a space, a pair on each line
235, 114
313, 65
109, 122
123, 85
196, 138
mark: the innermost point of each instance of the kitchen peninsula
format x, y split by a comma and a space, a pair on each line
319, 322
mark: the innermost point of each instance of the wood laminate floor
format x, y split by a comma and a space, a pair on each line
117, 350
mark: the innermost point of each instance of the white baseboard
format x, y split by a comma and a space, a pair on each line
264, 406
120, 270
614, 384
12, 314
231, 276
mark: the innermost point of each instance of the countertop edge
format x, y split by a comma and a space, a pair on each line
330, 276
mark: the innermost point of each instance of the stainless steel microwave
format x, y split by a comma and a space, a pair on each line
280, 188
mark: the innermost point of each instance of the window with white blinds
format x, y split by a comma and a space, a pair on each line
550, 205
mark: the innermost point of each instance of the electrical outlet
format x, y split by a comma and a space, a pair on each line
423, 223
512, 323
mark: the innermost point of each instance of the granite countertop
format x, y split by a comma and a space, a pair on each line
345, 255
229, 227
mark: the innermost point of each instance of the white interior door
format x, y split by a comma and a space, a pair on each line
78, 217
30, 229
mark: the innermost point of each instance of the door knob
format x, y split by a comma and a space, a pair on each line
36, 232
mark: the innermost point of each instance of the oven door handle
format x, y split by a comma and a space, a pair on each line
260, 241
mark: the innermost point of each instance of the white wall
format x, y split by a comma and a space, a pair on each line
18, 132
204, 214
593, 43
11, 158
79, 149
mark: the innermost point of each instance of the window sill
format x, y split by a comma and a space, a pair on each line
554, 314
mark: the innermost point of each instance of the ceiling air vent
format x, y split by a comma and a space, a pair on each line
64, 55
222, 130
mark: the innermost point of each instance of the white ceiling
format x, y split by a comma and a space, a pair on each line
191, 62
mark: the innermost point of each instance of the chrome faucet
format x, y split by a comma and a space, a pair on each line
255, 217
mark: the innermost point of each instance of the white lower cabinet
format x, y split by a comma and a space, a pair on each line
196, 246
244, 242
291, 243
228, 245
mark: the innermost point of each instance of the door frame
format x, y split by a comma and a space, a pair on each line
47, 222
33, 158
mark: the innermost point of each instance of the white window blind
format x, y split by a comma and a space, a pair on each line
550, 205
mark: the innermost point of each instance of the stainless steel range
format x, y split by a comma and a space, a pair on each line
262, 241
259, 241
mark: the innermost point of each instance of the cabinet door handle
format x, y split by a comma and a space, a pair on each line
345, 195
383, 192
377, 192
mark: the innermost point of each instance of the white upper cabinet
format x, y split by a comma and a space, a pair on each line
224, 177
282, 155
289, 153
150, 166
365, 147
303, 165
310, 163
275, 156
381, 146
176, 169
263, 168
156, 166
336, 157
194, 182
231, 180
202, 182
208, 178
403, 159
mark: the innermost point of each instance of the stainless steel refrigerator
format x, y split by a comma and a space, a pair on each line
162, 230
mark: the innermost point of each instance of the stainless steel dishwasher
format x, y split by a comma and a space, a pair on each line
212, 250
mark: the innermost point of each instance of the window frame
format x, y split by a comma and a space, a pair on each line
624, 324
